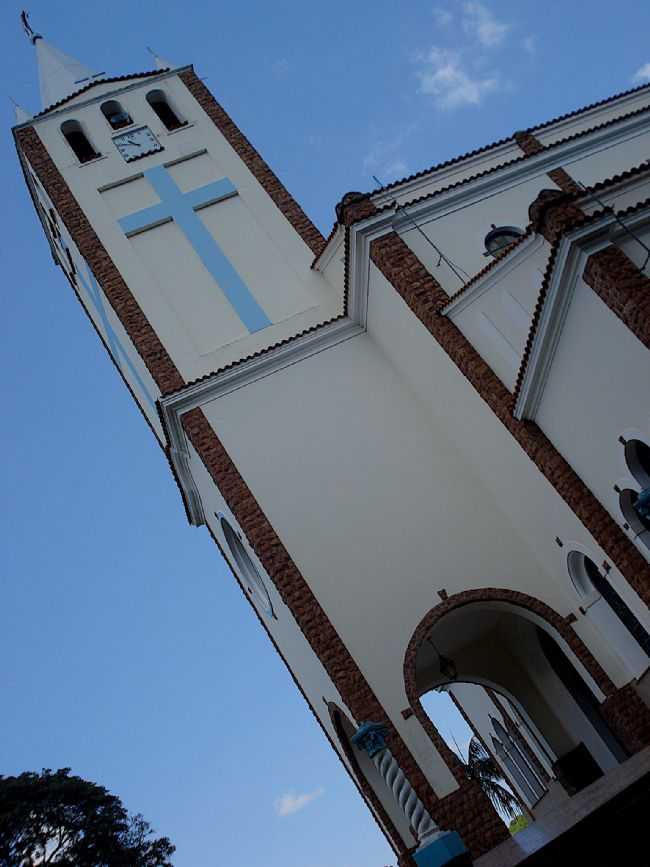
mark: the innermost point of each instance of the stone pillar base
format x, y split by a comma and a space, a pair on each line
447, 850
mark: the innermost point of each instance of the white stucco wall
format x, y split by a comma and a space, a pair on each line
598, 390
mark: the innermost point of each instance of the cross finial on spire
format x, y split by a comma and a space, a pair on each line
27, 27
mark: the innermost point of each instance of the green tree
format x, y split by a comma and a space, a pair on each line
53, 818
481, 767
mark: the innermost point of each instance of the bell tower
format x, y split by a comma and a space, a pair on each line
156, 205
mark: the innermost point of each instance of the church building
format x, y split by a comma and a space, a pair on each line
421, 443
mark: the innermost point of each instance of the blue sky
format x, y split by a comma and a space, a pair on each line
118, 621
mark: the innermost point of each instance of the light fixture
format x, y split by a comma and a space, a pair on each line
447, 666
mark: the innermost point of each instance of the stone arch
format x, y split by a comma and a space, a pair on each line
614, 705
511, 597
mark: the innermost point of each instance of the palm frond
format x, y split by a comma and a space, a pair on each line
482, 768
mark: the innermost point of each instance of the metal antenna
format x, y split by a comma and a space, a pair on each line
27, 27
462, 275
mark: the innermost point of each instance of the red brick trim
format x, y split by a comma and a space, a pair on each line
629, 717
623, 288
530, 145
254, 162
118, 294
424, 297
513, 730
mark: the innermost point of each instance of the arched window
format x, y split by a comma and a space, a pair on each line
637, 522
115, 114
78, 141
248, 572
160, 104
637, 458
605, 608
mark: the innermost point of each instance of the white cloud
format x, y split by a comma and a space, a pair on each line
290, 802
444, 77
642, 74
478, 21
530, 45
443, 17
385, 160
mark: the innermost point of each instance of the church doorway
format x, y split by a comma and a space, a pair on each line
515, 652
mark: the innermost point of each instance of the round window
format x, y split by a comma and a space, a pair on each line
585, 575
500, 237
247, 570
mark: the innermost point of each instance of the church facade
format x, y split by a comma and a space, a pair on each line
422, 443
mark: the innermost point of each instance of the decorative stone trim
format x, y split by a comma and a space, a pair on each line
424, 297
144, 338
254, 162
623, 288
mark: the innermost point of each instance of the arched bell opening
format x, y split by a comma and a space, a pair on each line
518, 653
371, 784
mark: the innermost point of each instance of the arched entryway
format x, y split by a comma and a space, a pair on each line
517, 645
371, 785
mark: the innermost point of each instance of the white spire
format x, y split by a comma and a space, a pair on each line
22, 116
159, 62
59, 75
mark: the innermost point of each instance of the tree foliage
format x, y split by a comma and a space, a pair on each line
481, 767
53, 818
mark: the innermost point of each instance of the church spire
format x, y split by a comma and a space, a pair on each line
59, 75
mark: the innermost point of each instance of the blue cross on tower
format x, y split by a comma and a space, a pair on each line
181, 208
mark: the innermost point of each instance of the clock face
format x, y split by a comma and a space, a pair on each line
137, 143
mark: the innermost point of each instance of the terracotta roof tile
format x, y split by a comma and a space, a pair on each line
496, 144
550, 147
586, 108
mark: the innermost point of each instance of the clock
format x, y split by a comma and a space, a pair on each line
137, 143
